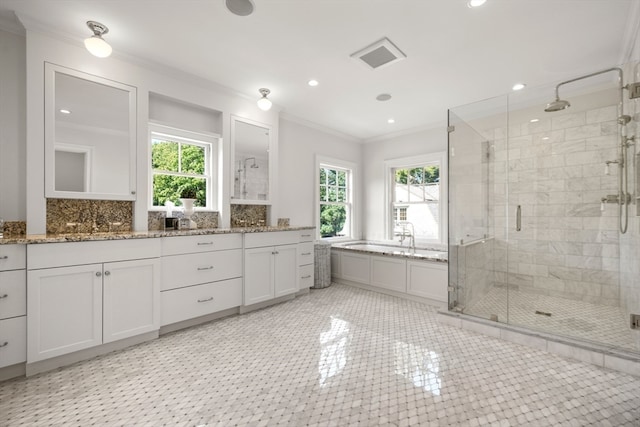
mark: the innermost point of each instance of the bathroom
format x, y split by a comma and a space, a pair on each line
277, 178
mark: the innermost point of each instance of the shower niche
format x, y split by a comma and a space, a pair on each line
250, 162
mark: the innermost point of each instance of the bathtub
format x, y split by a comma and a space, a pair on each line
420, 274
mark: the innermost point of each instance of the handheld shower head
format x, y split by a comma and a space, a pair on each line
557, 105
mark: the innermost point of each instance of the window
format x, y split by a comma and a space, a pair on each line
335, 196
181, 162
416, 196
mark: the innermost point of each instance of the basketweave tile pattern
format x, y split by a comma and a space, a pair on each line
339, 356
577, 319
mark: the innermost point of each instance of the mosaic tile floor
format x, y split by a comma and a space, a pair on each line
597, 323
340, 356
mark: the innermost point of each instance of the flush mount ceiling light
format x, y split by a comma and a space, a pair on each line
476, 3
391, 121
519, 86
313, 83
383, 97
264, 103
96, 44
240, 7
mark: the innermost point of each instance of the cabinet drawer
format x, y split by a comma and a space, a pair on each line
12, 257
187, 303
205, 243
13, 294
306, 276
47, 255
179, 271
13, 341
305, 253
306, 235
271, 238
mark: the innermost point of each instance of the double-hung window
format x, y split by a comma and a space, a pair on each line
182, 164
416, 198
335, 198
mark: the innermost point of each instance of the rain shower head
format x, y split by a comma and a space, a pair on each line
557, 105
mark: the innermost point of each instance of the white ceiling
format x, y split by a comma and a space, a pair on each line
455, 55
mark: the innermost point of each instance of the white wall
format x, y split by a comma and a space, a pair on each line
12, 127
373, 158
299, 144
42, 48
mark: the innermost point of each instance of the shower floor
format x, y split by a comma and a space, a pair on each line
576, 319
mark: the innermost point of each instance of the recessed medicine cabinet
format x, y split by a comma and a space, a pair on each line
251, 142
90, 136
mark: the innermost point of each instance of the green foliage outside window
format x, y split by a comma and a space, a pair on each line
332, 219
422, 175
172, 157
333, 192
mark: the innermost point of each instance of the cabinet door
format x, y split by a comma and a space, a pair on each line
286, 270
258, 275
131, 298
64, 309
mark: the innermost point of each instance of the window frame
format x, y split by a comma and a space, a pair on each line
413, 162
209, 141
352, 196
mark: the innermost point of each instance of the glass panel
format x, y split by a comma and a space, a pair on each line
192, 157
164, 155
169, 187
331, 177
332, 220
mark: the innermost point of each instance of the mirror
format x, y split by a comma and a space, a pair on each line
89, 136
251, 142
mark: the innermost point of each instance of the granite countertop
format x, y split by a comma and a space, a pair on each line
90, 237
387, 249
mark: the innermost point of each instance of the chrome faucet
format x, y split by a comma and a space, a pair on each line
404, 225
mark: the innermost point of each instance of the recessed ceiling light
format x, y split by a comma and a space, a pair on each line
534, 120
383, 97
240, 7
313, 83
476, 3
391, 121
64, 111
544, 138
519, 86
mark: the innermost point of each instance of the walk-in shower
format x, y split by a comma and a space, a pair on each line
537, 217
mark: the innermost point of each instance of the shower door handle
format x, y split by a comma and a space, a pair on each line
519, 218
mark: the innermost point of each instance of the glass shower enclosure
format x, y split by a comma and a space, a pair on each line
535, 235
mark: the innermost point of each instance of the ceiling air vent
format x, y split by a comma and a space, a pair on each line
381, 53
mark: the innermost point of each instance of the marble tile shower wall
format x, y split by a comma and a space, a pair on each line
554, 169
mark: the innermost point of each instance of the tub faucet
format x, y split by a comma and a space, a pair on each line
404, 225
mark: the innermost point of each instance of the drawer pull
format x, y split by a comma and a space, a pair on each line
107, 273
205, 243
4, 296
306, 235
306, 277
205, 268
4, 257
206, 300
98, 273
4, 344
306, 253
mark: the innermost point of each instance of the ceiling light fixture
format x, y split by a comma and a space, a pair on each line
476, 3
391, 121
313, 83
96, 44
240, 7
519, 86
264, 103
65, 111
534, 120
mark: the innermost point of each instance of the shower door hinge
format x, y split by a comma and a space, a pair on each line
635, 321
634, 90
451, 129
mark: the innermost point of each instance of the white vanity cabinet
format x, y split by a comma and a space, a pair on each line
13, 305
270, 265
83, 294
305, 260
201, 275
